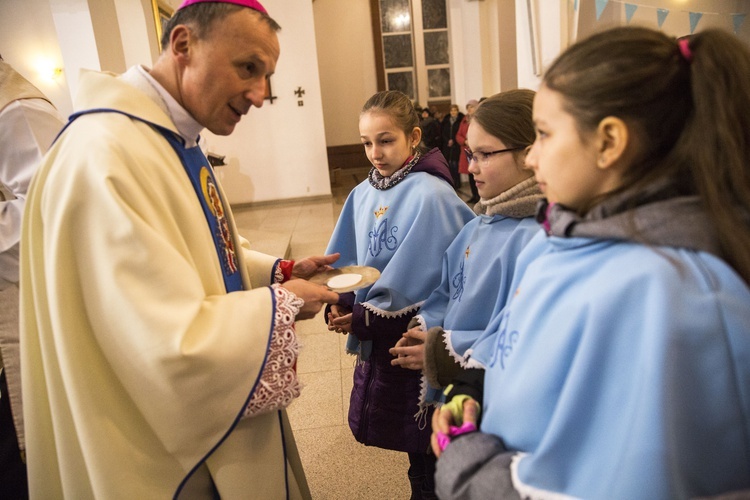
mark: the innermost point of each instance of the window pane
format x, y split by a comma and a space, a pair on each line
403, 81
395, 16
434, 14
439, 81
398, 53
436, 48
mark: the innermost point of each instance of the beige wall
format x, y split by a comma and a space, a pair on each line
716, 14
346, 60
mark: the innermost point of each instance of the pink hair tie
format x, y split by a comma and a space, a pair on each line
687, 54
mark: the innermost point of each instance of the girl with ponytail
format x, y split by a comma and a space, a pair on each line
620, 366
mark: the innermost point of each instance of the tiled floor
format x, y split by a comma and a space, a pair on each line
337, 466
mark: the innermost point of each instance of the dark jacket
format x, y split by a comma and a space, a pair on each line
451, 153
385, 398
431, 133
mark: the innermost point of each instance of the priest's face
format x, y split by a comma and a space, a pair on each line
226, 72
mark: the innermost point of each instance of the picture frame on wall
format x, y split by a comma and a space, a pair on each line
162, 13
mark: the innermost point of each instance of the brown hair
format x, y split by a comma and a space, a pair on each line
508, 116
201, 17
690, 115
398, 106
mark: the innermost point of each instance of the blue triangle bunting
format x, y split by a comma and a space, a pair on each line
629, 11
695, 17
600, 6
738, 19
575, 6
661, 16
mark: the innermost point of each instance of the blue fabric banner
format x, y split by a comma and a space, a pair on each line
737, 20
661, 16
600, 6
629, 11
695, 17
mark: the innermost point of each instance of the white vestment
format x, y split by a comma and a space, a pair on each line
137, 363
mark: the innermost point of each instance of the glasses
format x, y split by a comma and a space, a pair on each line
483, 158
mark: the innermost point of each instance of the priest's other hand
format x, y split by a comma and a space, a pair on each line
314, 296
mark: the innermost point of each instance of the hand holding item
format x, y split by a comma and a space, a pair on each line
313, 296
457, 417
347, 278
306, 268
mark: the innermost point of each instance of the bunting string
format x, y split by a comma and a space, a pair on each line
694, 17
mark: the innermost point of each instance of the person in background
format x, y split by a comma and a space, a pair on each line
431, 136
451, 149
463, 164
478, 266
28, 125
620, 366
399, 220
438, 115
158, 350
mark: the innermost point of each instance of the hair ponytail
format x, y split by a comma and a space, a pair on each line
715, 142
688, 104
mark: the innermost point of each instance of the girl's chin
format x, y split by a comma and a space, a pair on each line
385, 172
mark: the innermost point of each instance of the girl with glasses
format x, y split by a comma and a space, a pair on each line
399, 220
478, 265
620, 366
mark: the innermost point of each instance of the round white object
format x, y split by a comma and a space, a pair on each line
344, 280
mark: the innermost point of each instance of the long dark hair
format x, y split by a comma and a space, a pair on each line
689, 109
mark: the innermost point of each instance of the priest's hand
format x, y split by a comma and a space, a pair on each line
409, 350
310, 266
314, 296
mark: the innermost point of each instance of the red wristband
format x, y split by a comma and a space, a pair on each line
286, 267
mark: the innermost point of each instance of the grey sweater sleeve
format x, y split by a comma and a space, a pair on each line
475, 465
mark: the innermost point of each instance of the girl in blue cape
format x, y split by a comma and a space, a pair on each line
478, 266
620, 366
400, 221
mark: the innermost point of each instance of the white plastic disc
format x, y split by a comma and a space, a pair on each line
344, 280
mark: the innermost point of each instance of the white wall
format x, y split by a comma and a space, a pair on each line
466, 51
29, 42
538, 47
277, 152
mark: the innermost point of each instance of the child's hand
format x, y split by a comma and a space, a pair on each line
340, 319
444, 426
409, 350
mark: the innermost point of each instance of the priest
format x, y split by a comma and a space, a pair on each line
158, 349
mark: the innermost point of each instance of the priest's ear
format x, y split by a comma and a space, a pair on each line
180, 42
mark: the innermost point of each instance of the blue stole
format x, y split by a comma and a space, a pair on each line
202, 178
